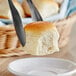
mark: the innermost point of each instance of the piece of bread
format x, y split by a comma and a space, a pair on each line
26, 8
41, 38
5, 10
45, 7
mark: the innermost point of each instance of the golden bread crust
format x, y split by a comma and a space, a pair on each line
40, 26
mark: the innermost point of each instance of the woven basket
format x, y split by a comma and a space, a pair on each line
9, 42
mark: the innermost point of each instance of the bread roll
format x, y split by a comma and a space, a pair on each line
45, 7
5, 10
41, 38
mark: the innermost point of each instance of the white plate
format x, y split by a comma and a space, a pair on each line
42, 67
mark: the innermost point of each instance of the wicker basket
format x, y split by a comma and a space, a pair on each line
9, 42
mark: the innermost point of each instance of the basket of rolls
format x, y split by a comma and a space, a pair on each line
42, 37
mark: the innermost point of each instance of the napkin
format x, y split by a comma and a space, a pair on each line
1, 24
71, 7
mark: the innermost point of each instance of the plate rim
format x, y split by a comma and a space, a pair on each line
60, 59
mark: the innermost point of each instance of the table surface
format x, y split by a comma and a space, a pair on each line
68, 52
